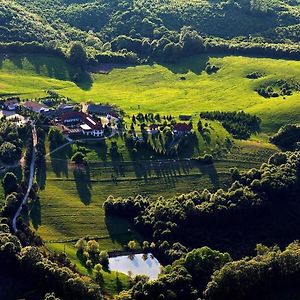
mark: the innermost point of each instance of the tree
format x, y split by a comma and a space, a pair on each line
132, 245
50, 296
201, 263
55, 137
9, 153
103, 258
92, 247
80, 245
98, 274
10, 183
78, 54
78, 158
191, 41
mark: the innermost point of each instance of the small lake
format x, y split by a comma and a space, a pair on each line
138, 264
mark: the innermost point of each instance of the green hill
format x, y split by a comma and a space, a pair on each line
21, 24
159, 29
225, 19
184, 87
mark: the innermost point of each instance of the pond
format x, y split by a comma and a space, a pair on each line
138, 264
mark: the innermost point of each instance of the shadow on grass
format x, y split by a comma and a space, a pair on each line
211, 172
120, 230
35, 214
83, 184
59, 161
194, 64
41, 174
53, 67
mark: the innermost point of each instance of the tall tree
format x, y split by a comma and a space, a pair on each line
10, 183
78, 54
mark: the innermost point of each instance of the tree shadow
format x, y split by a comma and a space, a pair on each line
54, 67
101, 150
83, 184
59, 161
83, 80
195, 64
35, 214
41, 174
17, 60
211, 172
120, 230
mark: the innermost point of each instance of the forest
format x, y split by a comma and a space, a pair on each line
197, 165
260, 197
160, 30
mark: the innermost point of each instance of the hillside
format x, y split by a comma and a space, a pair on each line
217, 18
19, 24
159, 29
159, 87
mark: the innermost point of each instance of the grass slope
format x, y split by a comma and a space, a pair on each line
71, 207
158, 88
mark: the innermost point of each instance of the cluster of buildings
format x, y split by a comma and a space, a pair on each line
88, 121
178, 128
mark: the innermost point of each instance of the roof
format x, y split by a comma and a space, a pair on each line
85, 127
72, 115
153, 126
183, 127
35, 106
185, 117
88, 123
100, 109
10, 102
64, 106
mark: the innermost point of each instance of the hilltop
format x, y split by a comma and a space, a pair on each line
163, 30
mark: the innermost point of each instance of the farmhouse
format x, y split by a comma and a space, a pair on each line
185, 117
181, 128
73, 117
153, 128
102, 110
79, 120
11, 104
35, 106
56, 113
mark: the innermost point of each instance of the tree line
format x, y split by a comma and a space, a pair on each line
240, 124
191, 219
209, 274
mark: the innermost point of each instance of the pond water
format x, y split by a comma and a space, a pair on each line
138, 264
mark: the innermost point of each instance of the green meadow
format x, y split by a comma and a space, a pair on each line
160, 88
70, 205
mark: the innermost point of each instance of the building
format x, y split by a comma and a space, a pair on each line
181, 128
185, 117
84, 122
154, 128
102, 110
60, 110
72, 118
11, 104
91, 127
35, 106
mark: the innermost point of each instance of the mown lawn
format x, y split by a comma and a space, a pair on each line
160, 89
70, 205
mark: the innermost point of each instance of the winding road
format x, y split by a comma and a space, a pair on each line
30, 182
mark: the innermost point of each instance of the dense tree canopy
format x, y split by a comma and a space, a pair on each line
161, 29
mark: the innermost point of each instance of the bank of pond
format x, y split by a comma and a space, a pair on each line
136, 264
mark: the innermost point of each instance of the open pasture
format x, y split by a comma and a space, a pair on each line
179, 88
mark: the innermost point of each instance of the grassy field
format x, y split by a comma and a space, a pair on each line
159, 88
70, 205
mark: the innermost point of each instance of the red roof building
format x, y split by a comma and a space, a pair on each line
35, 106
85, 122
182, 127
